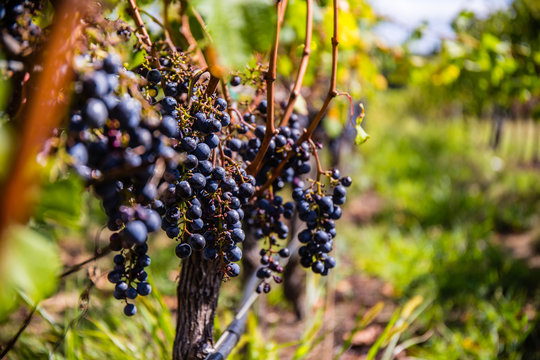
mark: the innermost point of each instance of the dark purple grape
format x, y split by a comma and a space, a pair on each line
220, 104
197, 241
236, 80
202, 151
136, 232
154, 76
130, 310
233, 270
197, 181
234, 254
95, 113
183, 251
79, 154
169, 104
346, 181
144, 288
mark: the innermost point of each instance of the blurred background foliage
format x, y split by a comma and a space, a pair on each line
439, 249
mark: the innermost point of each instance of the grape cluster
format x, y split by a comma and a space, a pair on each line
280, 144
265, 218
160, 152
113, 145
319, 212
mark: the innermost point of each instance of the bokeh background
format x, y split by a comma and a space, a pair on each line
439, 248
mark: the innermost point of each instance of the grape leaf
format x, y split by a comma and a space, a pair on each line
361, 135
30, 264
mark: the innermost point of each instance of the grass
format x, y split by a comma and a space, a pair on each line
448, 200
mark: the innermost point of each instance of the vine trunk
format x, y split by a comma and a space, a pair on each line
197, 294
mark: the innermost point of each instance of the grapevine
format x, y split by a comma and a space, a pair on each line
164, 149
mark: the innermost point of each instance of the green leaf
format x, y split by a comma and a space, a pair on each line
30, 265
136, 59
61, 201
361, 135
238, 28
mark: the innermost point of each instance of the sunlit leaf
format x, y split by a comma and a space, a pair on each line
361, 135
61, 202
30, 264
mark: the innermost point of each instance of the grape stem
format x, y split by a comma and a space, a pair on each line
303, 65
241, 118
332, 93
320, 171
270, 76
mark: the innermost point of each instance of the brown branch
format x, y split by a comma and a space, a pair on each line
41, 114
256, 165
226, 94
303, 65
140, 24
14, 339
281, 15
332, 93
99, 254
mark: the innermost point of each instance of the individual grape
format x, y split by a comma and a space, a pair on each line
202, 151
263, 106
95, 84
346, 181
154, 76
183, 251
136, 232
197, 181
130, 310
169, 104
112, 64
131, 293
95, 113
197, 241
144, 288
234, 254
79, 153
220, 104
169, 126
235, 80
233, 270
